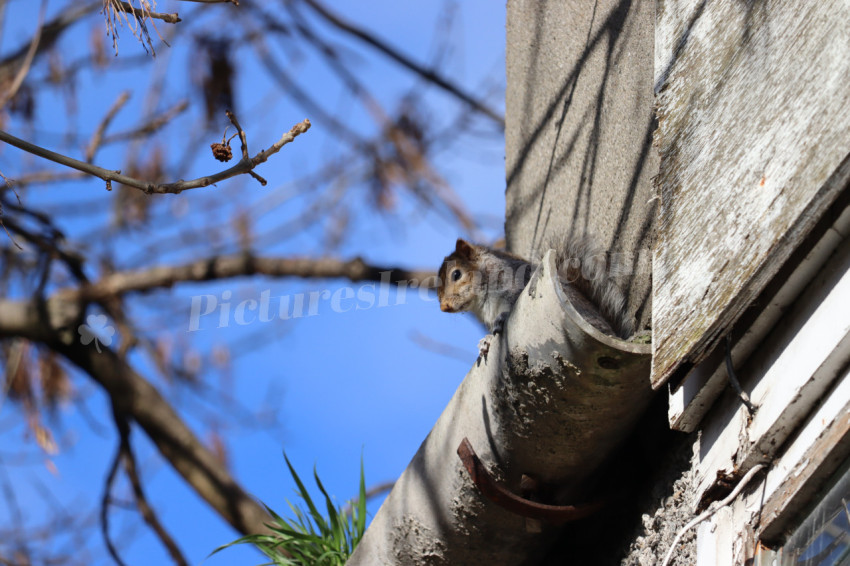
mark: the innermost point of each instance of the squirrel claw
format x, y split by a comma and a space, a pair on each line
484, 343
484, 346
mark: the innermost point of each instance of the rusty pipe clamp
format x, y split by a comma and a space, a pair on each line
509, 501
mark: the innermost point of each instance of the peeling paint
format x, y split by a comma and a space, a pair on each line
752, 128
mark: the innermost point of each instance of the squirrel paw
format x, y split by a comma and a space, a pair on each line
499, 324
484, 343
484, 346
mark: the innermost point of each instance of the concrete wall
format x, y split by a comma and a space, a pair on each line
579, 125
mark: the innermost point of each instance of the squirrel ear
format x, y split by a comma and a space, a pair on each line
464, 249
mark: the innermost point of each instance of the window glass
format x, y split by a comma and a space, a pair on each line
823, 538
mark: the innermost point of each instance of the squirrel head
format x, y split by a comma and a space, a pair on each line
459, 278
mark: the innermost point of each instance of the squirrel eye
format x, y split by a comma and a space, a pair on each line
455, 274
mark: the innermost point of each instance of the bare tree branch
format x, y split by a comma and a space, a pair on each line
36, 320
97, 138
129, 9
142, 503
105, 499
223, 267
27, 62
374, 491
45, 177
51, 322
113, 11
2, 13
48, 243
138, 399
394, 54
236, 2
49, 34
150, 127
48, 277
244, 166
288, 83
411, 154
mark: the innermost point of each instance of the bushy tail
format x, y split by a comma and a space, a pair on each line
588, 269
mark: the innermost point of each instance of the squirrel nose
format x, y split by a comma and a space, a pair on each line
445, 307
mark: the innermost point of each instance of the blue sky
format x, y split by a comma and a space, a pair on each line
342, 385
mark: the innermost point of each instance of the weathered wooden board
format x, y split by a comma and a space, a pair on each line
690, 402
754, 138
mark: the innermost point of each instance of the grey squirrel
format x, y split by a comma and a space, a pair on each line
487, 282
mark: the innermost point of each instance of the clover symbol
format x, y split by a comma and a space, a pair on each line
94, 329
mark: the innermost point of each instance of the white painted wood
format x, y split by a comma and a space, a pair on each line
719, 539
754, 138
787, 488
707, 546
835, 406
788, 484
799, 362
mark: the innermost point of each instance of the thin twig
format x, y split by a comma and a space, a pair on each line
3, 224
2, 13
299, 95
411, 155
113, 9
108, 175
97, 137
129, 9
151, 127
50, 33
438, 347
169, 433
47, 176
9, 186
104, 504
144, 507
374, 491
394, 54
243, 139
48, 244
241, 133
714, 509
11, 239
27, 63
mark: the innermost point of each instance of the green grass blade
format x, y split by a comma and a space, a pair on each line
305, 495
311, 539
334, 519
360, 517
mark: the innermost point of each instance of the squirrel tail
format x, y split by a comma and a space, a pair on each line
589, 270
